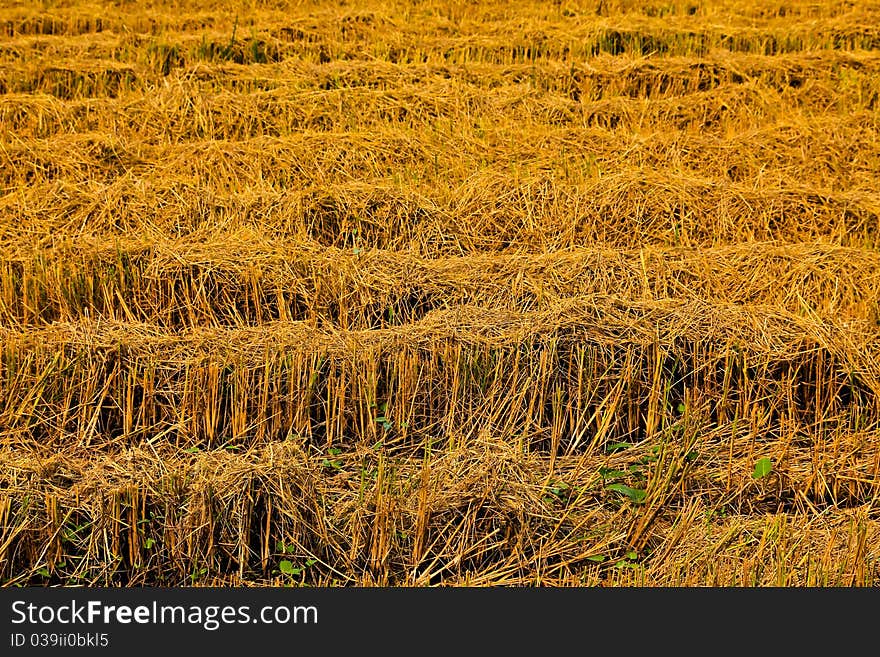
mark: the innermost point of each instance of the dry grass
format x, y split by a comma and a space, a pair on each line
439, 293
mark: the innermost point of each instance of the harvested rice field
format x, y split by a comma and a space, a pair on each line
440, 293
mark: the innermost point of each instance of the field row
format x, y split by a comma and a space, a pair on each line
584, 373
507, 43
789, 151
90, 16
597, 78
482, 515
486, 213
442, 111
235, 282
311, 22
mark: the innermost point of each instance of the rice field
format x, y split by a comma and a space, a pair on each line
440, 293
